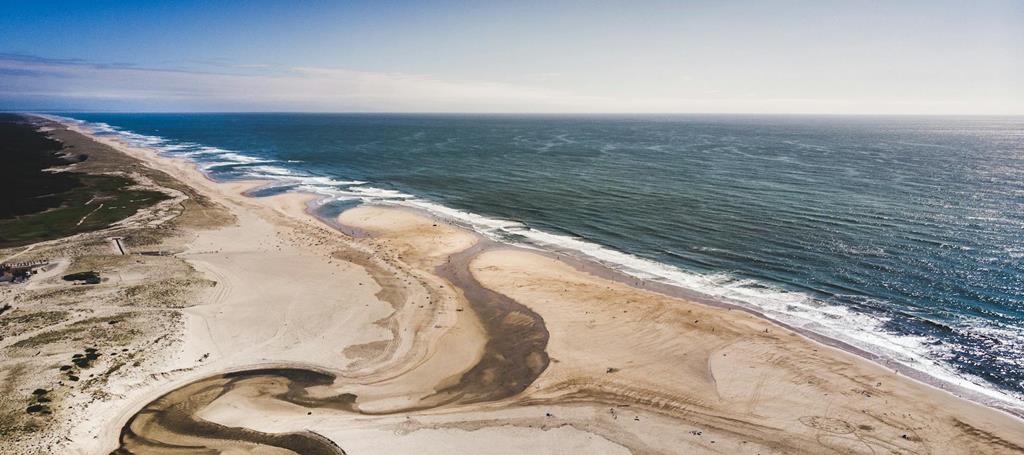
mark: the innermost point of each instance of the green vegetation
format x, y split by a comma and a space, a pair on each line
97, 330
40, 400
85, 360
39, 204
25, 154
89, 277
18, 321
98, 203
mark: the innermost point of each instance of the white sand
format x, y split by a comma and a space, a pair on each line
631, 371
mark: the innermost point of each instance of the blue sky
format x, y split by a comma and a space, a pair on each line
852, 57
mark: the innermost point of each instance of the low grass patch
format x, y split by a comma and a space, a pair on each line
42, 205
98, 203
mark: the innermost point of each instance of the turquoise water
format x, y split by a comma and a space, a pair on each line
902, 236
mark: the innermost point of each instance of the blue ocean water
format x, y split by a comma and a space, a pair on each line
903, 236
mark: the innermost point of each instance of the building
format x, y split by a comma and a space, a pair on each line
17, 272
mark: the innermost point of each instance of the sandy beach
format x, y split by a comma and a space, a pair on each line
256, 327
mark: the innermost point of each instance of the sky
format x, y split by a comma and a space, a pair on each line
823, 57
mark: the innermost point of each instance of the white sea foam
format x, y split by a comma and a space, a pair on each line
858, 329
231, 162
796, 309
239, 158
271, 171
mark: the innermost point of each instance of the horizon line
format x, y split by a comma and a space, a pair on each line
793, 114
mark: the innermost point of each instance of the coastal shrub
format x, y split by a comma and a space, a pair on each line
89, 277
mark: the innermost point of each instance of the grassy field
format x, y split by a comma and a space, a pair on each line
96, 204
42, 205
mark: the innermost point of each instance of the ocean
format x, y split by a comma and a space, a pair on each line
901, 236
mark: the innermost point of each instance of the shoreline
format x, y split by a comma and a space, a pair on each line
596, 268
484, 246
887, 352
593, 266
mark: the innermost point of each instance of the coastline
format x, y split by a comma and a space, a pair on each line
923, 346
420, 248
600, 270
591, 266
671, 290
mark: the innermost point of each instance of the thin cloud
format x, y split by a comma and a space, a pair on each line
38, 83
299, 88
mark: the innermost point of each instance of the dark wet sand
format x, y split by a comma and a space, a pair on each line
169, 424
172, 424
514, 356
600, 270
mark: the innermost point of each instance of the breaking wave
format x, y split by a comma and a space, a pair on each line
860, 329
